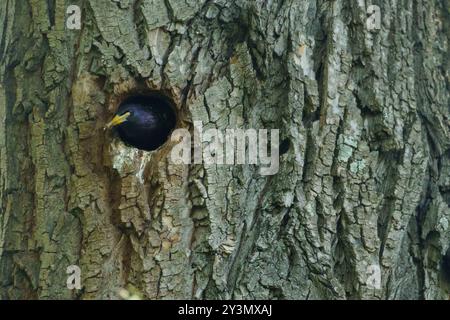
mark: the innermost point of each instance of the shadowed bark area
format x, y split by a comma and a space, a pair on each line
364, 177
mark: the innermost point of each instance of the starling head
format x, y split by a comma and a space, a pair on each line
144, 122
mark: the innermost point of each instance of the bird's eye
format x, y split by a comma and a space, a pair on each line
127, 114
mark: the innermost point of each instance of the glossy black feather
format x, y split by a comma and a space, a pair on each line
150, 122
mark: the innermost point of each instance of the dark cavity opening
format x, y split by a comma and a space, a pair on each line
446, 266
150, 120
284, 146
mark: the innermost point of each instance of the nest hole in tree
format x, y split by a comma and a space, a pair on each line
145, 121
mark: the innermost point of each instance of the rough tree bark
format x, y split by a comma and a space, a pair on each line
364, 179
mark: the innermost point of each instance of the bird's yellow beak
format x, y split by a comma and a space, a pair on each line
117, 120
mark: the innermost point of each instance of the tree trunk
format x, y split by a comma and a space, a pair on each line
358, 209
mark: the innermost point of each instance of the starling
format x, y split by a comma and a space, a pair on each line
144, 122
